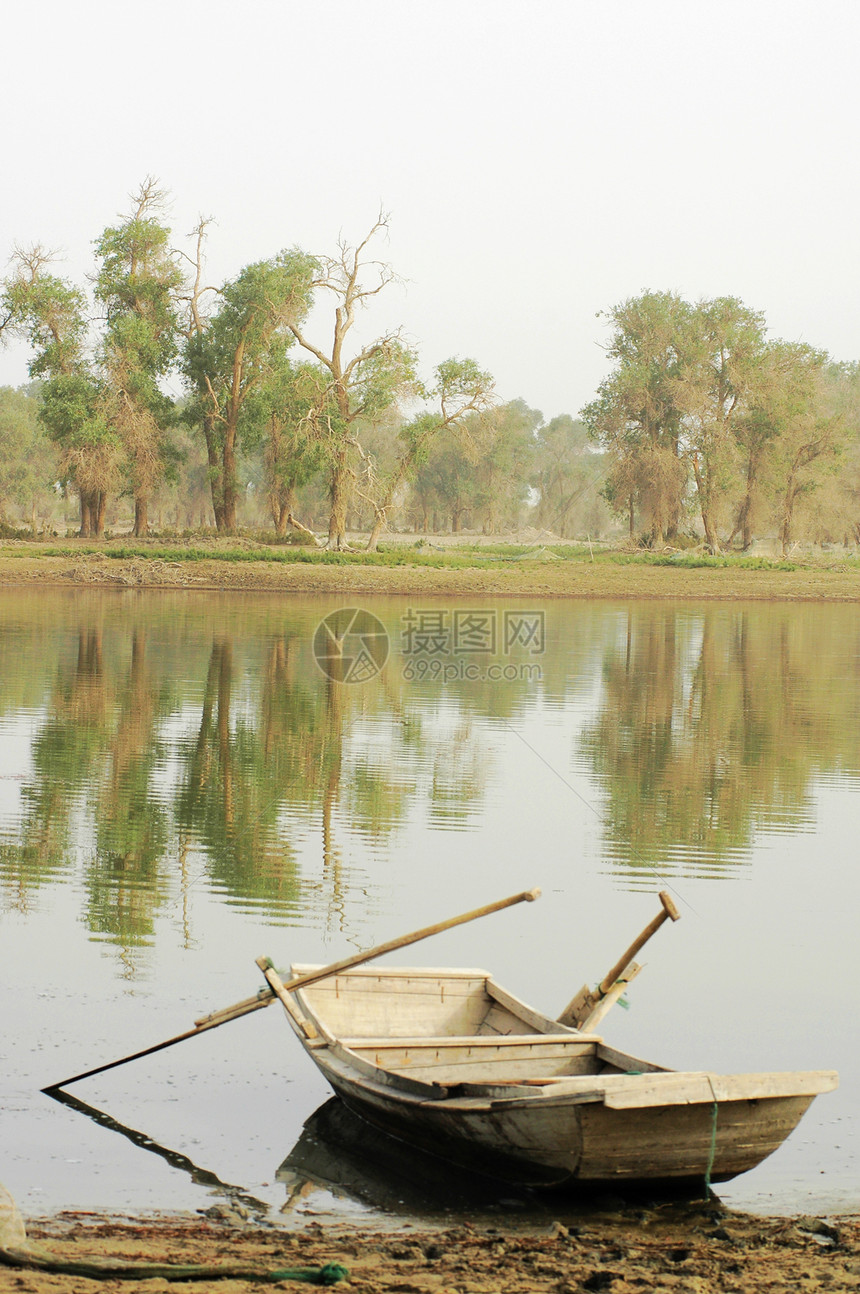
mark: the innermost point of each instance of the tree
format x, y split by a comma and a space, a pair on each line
137, 283
364, 387
460, 389
843, 518
183, 498
478, 469
291, 454
50, 313
230, 356
568, 477
446, 484
635, 417
721, 359
505, 443
28, 461
810, 440
785, 385
697, 392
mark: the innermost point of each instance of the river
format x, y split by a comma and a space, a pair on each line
188, 781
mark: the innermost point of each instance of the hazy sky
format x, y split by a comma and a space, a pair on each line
540, 161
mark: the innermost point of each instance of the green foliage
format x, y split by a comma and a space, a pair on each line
49, 313
382, 378
280, 413
479, 467
28, 462
72, 409
447, 481
137, 283
703, 423
254, 308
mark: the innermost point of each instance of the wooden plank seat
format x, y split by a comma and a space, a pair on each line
482, 1058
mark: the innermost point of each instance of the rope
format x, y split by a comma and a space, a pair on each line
712, 1152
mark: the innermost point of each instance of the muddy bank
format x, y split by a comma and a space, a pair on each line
536, 577
670, 1247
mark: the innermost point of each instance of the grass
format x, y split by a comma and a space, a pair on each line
454, 558
285, 556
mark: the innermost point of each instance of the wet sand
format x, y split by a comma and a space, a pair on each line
679, 1247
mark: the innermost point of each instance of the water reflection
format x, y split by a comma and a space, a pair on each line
715, 725
161, 738
256, 1208
339, 1153
177, 776
161, 747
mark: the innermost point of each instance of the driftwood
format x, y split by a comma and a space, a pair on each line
107, 1269
303, 530
15, 1251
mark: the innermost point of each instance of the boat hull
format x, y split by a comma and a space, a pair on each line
559, 1144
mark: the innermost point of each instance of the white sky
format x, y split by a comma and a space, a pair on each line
540, 161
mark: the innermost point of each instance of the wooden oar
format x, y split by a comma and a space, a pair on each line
590, 1005
261, 999
267, 995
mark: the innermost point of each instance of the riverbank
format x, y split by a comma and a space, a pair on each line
421, 571
692, 1247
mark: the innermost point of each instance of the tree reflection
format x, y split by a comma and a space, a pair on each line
161, 732
299, 758
713, 726
125, 880
231, 792
65, 755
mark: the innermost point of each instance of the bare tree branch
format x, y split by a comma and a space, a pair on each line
306, 345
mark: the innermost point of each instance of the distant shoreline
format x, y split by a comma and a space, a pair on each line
242, 565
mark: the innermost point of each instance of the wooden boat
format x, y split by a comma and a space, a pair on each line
450, 1062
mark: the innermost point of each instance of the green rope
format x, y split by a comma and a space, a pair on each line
713, 1150
330, 1274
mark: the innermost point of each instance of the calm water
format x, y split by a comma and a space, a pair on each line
182, 789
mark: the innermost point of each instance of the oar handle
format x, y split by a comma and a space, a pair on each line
669, 911
403, 941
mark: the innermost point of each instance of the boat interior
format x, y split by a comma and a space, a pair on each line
452, 1026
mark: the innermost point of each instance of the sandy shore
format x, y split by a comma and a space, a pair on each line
670, 1247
